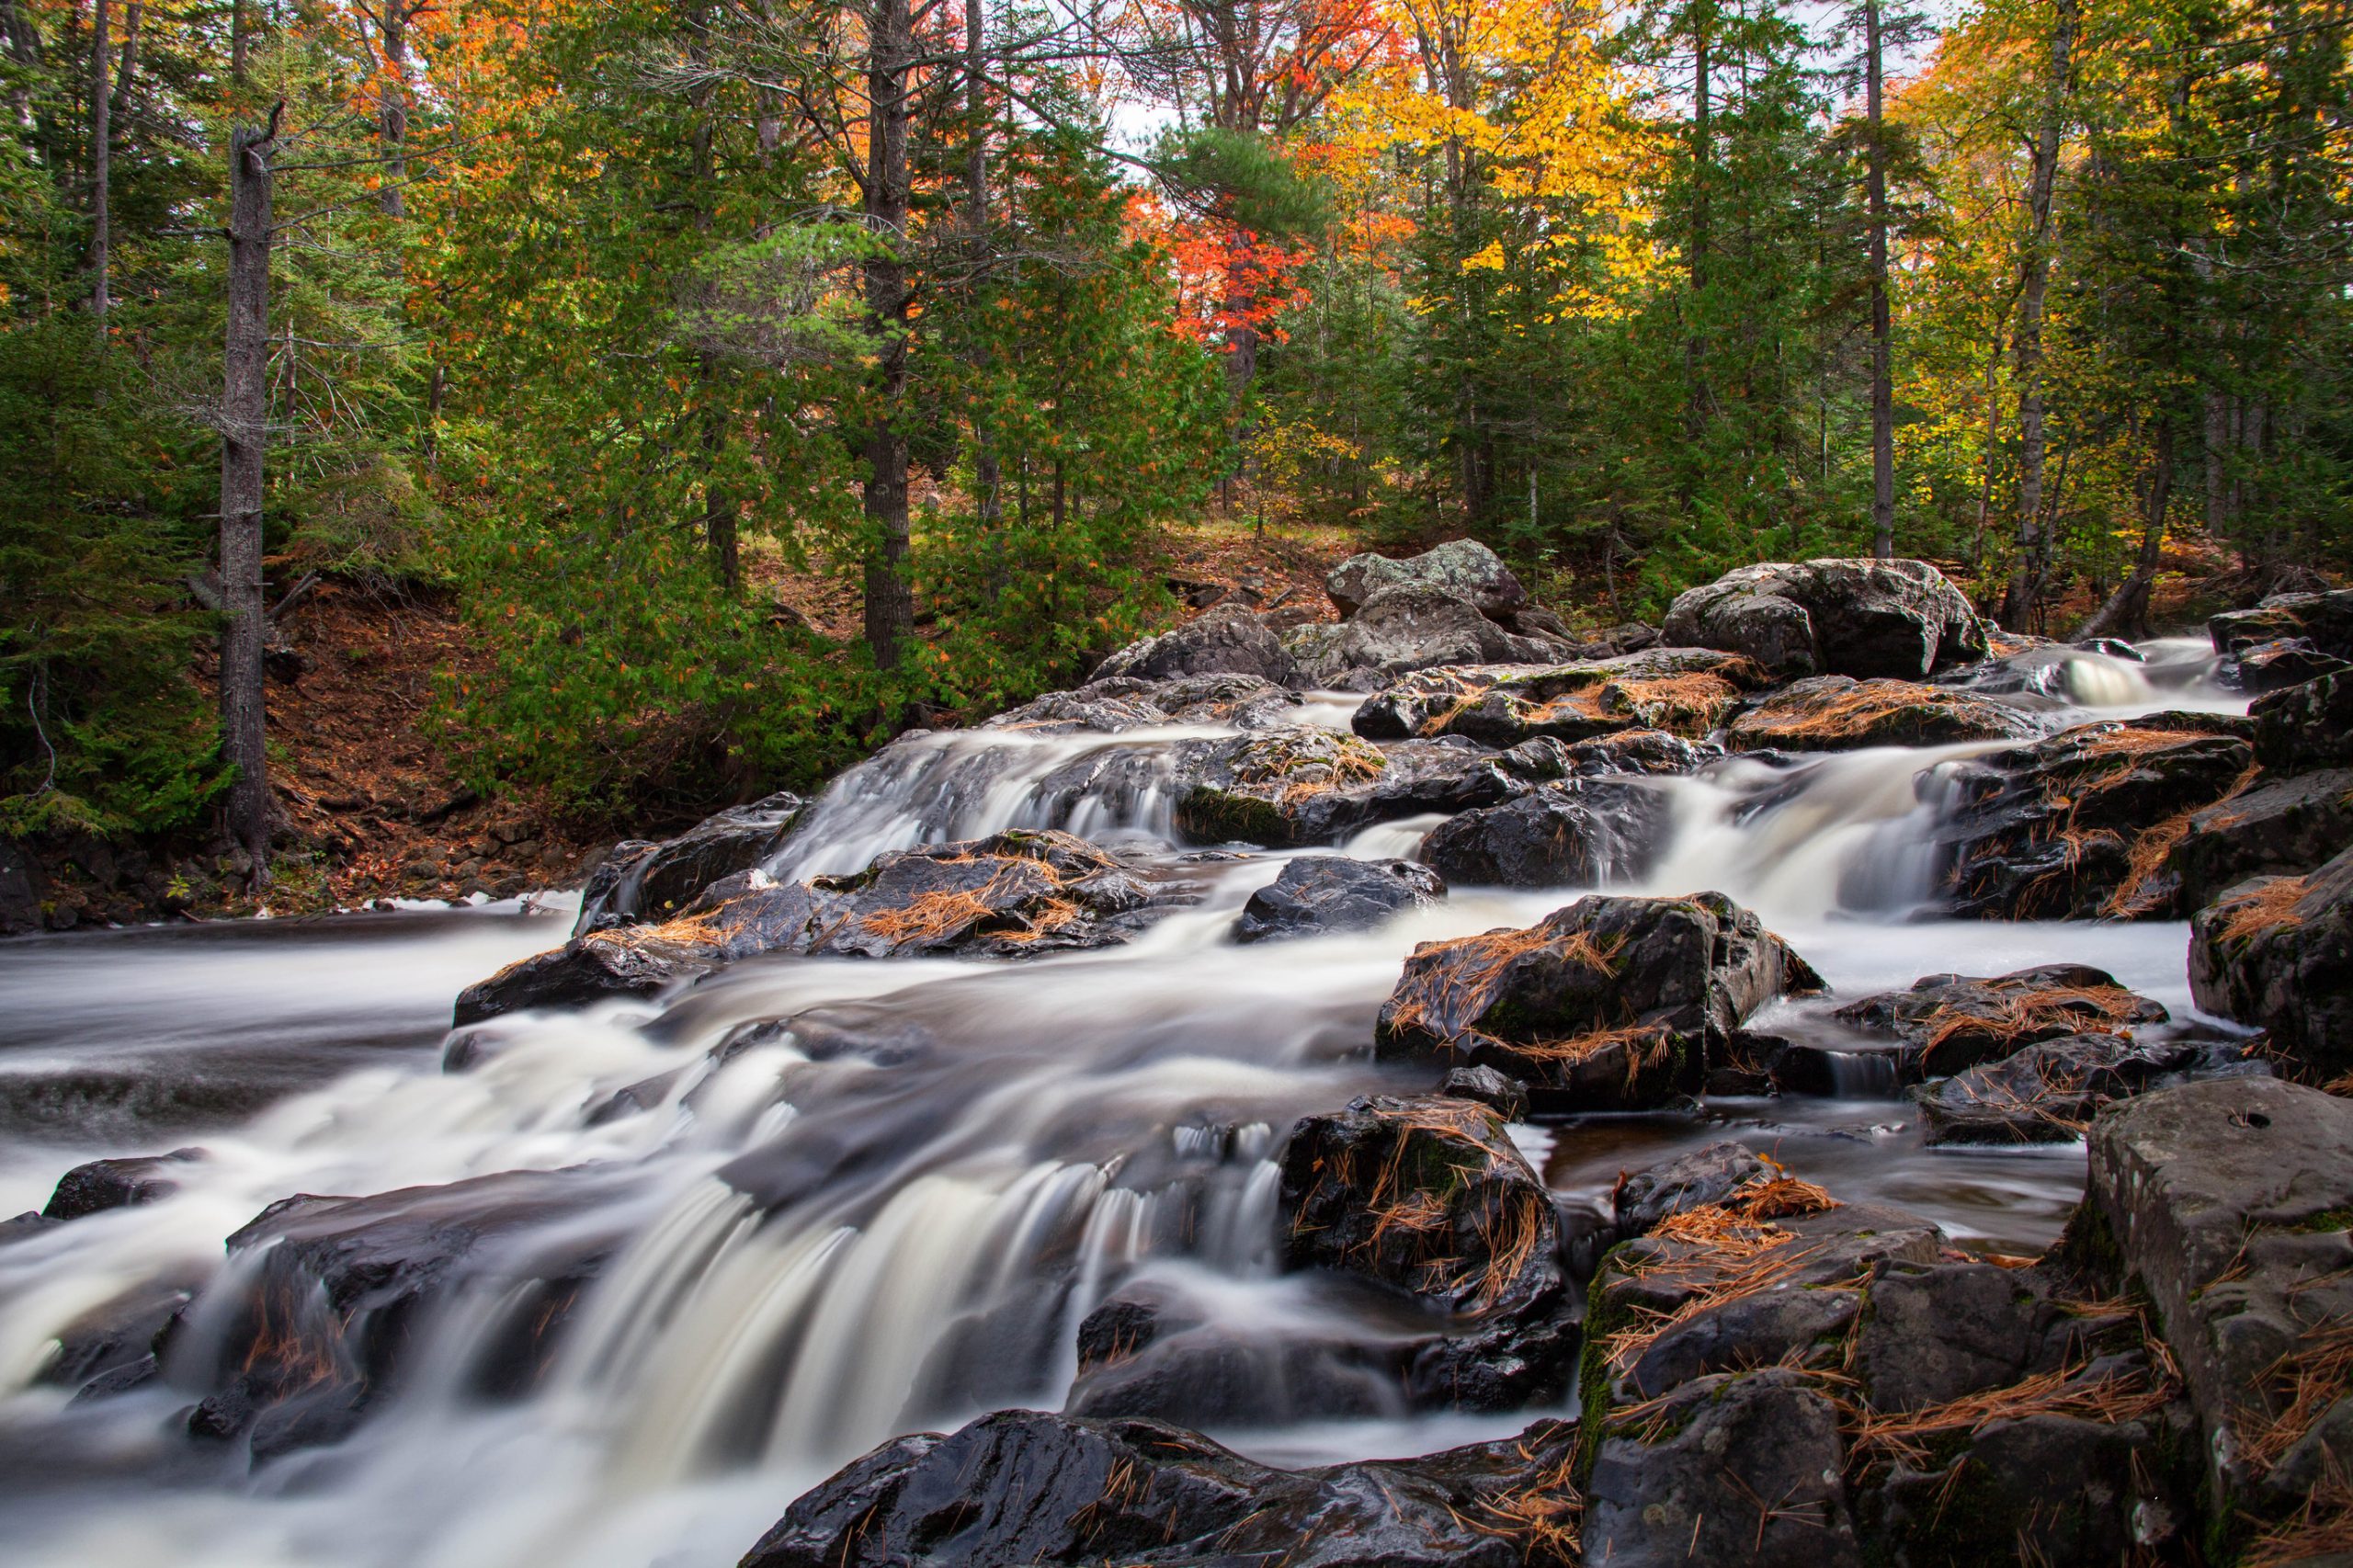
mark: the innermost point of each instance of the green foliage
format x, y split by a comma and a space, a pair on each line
1243, 178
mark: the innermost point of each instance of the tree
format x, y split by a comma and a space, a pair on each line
244, 428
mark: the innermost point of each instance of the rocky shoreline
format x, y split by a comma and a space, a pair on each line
1762, 1371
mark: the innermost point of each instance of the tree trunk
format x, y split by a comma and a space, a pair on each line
986, 479
129, 66
2026, 572
101, 136
240, 35
890, 598
245, 415
1883, 347
23, 40
1704, 18
2126, 613
391, 109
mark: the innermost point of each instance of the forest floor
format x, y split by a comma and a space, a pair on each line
374, 801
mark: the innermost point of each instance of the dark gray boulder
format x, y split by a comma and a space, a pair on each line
1302, 785
1405, 628
1580, 832
640, 880
2278, 952
1687, 1181
1460, 569
1949, 1023
1329, 892
1839, 713
1114, 703
2267, 667
1023, 1490
101, 1184
2306, 726
606, 965
2323, 619
1227, 640
2049, 1092
1607, 1004
2281, 827
1859, 617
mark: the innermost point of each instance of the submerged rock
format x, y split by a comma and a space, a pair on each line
1949, 1023
1607, 1004
1023, 1490
1326, 893
1462, 569
1227, 640
2278, 952
640, 880
1838, 713
1684, 691
1865, 619
2078, 825
1581, 830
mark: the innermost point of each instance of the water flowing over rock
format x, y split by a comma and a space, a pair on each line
1836, 712
1865, 619
1227, 640
2078, 827
1462, 569
1609, 1004
2278, 952
1331, 894
1685, 691
638, 881
1022, 1490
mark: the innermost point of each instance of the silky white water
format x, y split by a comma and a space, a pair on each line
888, 1218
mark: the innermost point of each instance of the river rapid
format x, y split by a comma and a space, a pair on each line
890, 1215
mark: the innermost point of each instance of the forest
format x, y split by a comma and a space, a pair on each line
599, 319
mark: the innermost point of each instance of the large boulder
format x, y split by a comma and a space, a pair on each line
1302, 785
2281, 827
2078, 825
2227, 1203
326, 1320
1607, 1004
2267, 667
2278, 952
1430, 1199
1683, 690
2049, 1092
1227, 640
1578, 831
1023, 1490
1949, 1023
1405, 628
1839, 713
2324, 621
1323, 894
1113, 703
1460, 569
2306, 726
638, 881
1865, 619
605, 965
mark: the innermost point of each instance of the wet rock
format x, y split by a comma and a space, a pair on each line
1508, 1098
1934, 1333
2078, 825
1125, 702
25, 1226
1839, 713
1684, 691
1014, 894
2281, 827
1023, 1490
1401, 628
2049, 1092
1742, 1469
1323, 894
2324, 621
640, 880
1430, 1199
1865, 619
1460, 569
1652, 752
344, 1288
621, 962
1949, 1023
2228, 1203
1607, 1004
1579, 832
1304, 786
2305, 726
119, 1336
1689, 1181
2267, 667
118, 1184
2278, 952
1152, 1352
1227, 640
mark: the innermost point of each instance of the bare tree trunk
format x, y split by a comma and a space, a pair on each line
890, 598
2026, 572
986, 480
1882, 345
1702, 164
101, 136
23, 40
129, 66
2126, 613
240, 36
245, 423
392, 110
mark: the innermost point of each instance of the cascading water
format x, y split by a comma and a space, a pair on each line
811, 1203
